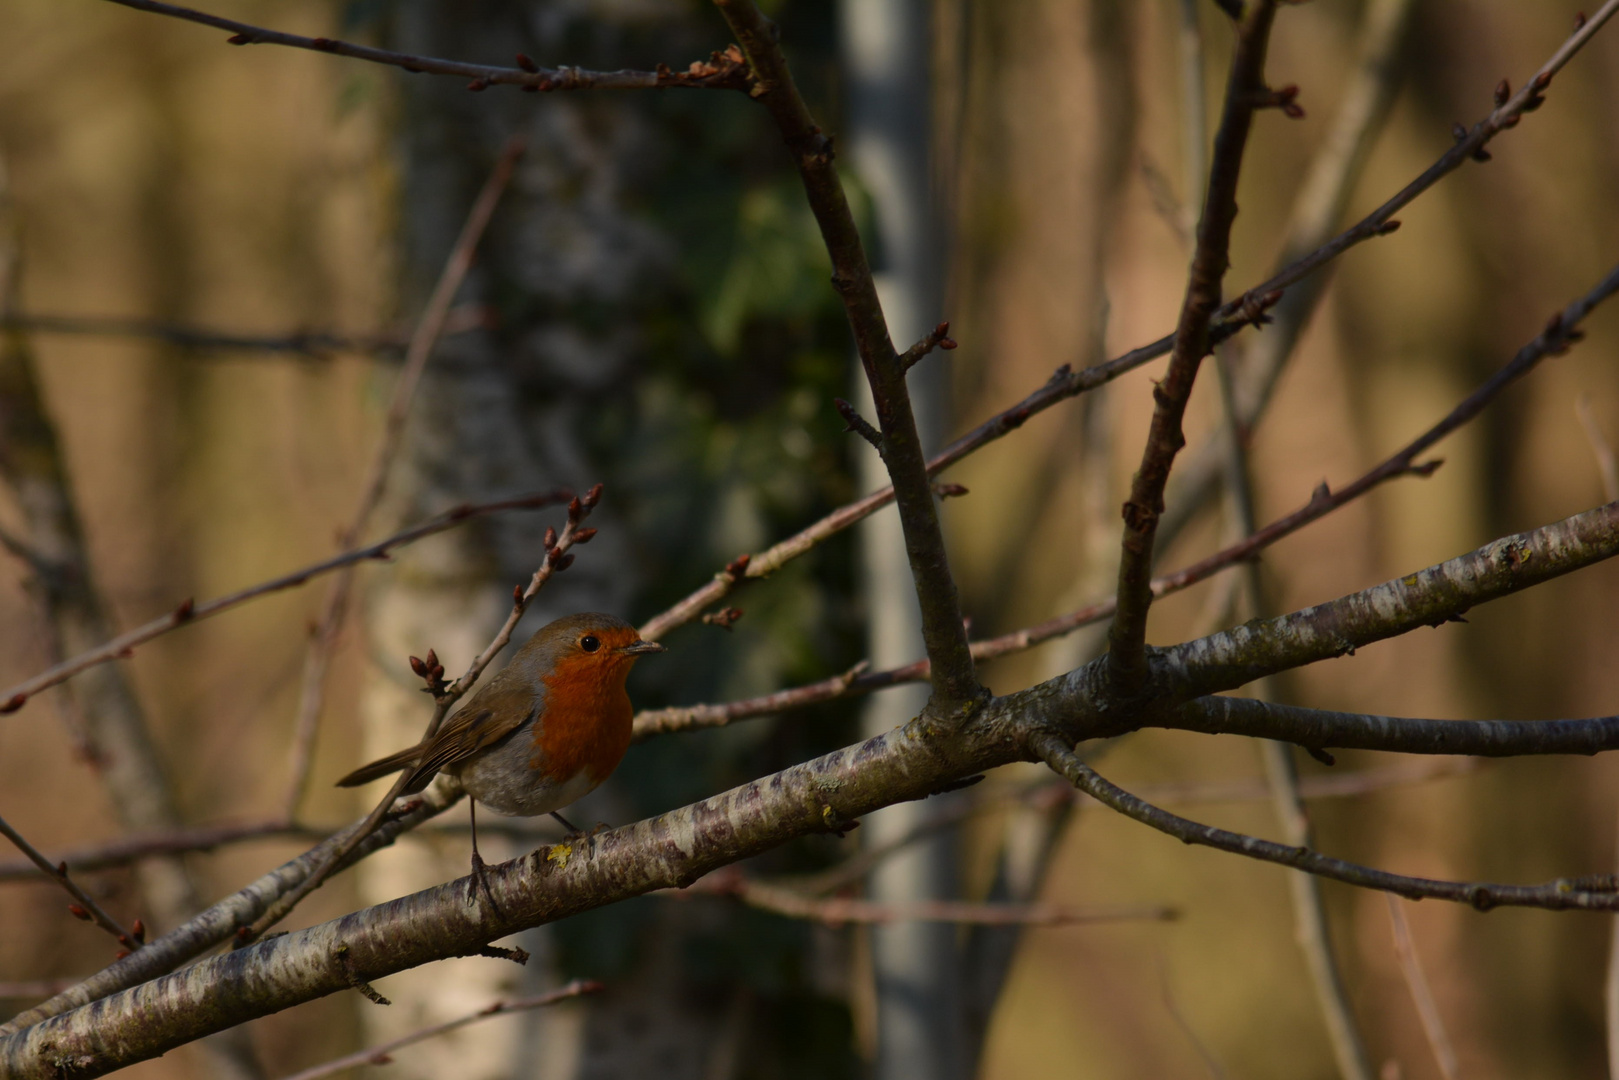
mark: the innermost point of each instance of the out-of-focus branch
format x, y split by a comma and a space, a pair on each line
380, 1054
1596, 893
1317, 210
557, 559
1607, 464
219, 923
318, 655
138, 846
955, 686
310, 343
85, 908
723, 71
123, 645
1427, 1009
841, 911
1246, 92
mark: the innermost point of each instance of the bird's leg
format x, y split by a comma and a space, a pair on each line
479, 878
576, 834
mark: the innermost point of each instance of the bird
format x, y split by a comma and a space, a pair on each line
541, 734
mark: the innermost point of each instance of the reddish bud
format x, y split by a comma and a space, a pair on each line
478, 85
126, 652
593, 496
238, 39
947, 344
517, 596
564, 562
1480, 154
1392, 225
13, 703
432, 660
78, 913
583, 536
187, 608
138, 929
942, 330
575, 509
1579, 20
120, 954
61, 868
323, 44
1541, 81
528, 65
417, 666
1503, 91
123, 939
949, 491
550, 540
739, 565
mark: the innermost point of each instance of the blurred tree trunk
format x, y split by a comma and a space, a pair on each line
886, 48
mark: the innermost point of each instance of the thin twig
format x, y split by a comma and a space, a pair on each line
1433, 1026
381, 1053
318, 654
37, 988
1597, 892
955, 686
1246, 92
85, 907
557, 558
839, 911
721, 72
311, 343
132, 848
122, 646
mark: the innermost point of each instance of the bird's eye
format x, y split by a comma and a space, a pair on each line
590, 643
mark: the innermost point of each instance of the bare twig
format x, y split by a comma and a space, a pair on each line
840, 911
722, 71
1245, 93
318, 654
955, 686
85, 907
1607, 464
1427, 1009
557, 558
1600, 892
37, 988
187, 612
381, 1053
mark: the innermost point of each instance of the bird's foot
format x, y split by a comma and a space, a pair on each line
479, 881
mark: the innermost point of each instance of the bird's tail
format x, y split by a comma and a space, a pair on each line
404, 759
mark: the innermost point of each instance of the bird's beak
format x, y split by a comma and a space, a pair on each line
639, 648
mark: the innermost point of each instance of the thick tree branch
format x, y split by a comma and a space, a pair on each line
120, 647
955, 686
1596, 893
1245, 93
720, 72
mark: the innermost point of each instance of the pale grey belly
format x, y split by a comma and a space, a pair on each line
501, 779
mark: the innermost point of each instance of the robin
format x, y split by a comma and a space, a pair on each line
542, 733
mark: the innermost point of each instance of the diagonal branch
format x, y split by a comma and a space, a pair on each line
85, 908
318, 654
1245, 92
187, 612
720, 72
955, 686
1597, 893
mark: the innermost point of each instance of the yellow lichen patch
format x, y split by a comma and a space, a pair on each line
559, 854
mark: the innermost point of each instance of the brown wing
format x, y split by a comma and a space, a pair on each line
489, 717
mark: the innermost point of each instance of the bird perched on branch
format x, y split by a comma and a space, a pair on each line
542, 733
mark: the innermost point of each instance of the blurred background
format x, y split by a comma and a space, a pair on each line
650, 310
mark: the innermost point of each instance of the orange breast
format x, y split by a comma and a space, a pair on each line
587, 719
